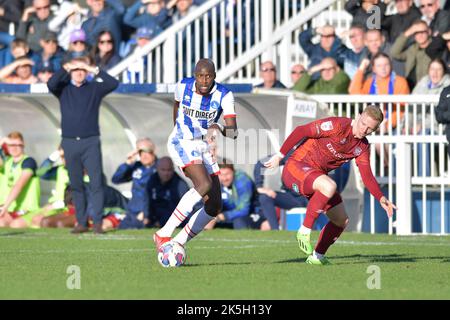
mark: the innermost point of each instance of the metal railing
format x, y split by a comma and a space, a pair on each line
237, 38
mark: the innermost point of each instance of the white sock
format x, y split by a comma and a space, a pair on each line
180, 213
304, 230
195, 225
317, 255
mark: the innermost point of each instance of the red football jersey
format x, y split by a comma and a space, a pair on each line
327, 144
330, 143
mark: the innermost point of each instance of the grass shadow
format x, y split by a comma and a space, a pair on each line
215, 264
389, 258
12, 233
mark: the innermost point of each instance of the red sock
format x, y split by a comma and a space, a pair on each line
330, 233
315, 207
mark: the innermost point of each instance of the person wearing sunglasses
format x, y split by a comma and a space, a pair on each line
437, 19
297, 71
34, 23
21, 189
333, 80
104, 53
138, 167
330, 45
415, 56
78, 46
268, 72
50, 56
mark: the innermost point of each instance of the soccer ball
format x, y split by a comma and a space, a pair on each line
171, 254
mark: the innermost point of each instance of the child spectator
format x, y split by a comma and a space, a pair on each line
18, 72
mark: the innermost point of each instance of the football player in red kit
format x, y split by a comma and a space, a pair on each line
325, 145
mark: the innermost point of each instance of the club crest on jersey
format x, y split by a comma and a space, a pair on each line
187, 98
195, 153
326, 126
215, 105
357, 151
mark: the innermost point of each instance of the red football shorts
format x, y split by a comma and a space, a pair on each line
299, 176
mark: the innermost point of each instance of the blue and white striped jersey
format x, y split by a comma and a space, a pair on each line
197, 113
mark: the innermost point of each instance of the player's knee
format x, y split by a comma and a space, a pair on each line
328, 188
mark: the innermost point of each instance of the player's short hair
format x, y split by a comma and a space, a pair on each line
16, 135
226, 164
374, 112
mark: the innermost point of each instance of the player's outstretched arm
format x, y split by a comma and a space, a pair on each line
388, 206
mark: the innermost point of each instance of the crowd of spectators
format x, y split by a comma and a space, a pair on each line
49, 33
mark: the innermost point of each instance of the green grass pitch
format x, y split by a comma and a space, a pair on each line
221, 264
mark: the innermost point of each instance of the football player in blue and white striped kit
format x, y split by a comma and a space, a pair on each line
199, 103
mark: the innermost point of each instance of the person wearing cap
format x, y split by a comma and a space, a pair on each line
18, 72
138, 167
80, 102
104, 15
50, 57
154, 14
77, 46
34, 23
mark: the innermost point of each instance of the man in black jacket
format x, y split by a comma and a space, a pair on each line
395, 24
443, 112
80, 107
